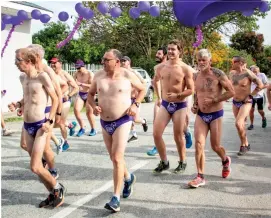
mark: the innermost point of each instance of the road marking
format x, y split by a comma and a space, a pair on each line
68, 210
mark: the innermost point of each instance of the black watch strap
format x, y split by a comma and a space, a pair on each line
59, 114
137, 103
50, 121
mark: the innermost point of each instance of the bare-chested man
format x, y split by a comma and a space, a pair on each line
66, 82
83, 79
126, 63
268, 92
208, 105
114, 86
241, 79
173, 74
37, 88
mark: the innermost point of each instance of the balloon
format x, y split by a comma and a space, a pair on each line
134, 13
15, 20
115, 12
35, 14
63, 16
3, 26
88, 14
264, 7
103, 7
143, 6
44, 18
6, 19
7, 40
154, 11
248, 13
79, 8
22, 15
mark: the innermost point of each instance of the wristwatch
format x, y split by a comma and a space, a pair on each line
137, 103
59, 114
50, 121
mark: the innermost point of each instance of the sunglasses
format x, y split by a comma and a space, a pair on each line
18, 60
235, 62
107, 60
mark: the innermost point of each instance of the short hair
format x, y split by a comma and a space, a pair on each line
164, 49
205, 53
178, 43
116, 53
241, 59
38, 50
27, 55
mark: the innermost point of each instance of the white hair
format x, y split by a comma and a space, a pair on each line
204, 53
38, 49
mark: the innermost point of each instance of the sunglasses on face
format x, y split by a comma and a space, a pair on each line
107, 60
18, 60
235, 62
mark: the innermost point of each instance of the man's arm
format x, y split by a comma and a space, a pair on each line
265, 81
72, 83
226, 84
156, 81
92, 92
89, 80
47, 84
269, 94
256, 80
137, 84
189, 84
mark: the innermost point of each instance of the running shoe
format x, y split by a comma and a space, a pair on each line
49, 201
81, 132
197, 182
188, 139
93, 132
243, 150
113, 204
181, 167
59, 147
264, 123
226, 170
54, 173
66, 146
133, 139
145, 126
250, 127
152, 152
72, 126
161, 167
59, 196
128, 187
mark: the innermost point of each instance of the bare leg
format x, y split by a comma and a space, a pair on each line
48, 152
3, 125
251, 116
90, 116
54, 138
78, 105
23, 142
65, 113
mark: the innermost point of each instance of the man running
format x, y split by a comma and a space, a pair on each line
126, 63
242, 78
66, 82
37, 88
5, 131
83, 79
258, 98
208, 105
114, 86
176, 84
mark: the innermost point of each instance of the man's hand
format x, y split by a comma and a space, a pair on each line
46, 127
97, 110
132, 110
66, 98
12, 106
19, 112
158, 102
57, 119
171, 95
208, 101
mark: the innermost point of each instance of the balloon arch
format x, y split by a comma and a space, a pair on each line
188, 13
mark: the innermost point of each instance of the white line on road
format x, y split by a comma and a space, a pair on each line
68, 210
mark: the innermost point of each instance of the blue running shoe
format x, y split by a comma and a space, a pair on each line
72, 128
113, 205
59, 147
188, 139
152, 152
81, 132
65, 146
93, 132
128, 187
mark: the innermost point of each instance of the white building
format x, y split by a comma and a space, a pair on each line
20, 38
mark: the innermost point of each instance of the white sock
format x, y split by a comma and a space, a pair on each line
117, 196
143, 121
128, 178
57, 186
134, 133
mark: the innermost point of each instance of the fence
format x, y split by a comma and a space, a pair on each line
70, 68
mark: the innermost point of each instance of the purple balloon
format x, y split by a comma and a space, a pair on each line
35, 14
264, 7
22, 14
143, 6
15, 20
6, 19
103, 7
88, 14
3, 26
248, 13
115, 12
63, 16
79, 8
154, 11
44, 18
134, 13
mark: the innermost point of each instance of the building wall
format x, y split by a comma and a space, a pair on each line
21, 38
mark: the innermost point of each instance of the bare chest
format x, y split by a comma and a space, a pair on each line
109, 87
172, 76
206, 84
241, 80
83, 78
33, 89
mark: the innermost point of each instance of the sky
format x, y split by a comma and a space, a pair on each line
58, 6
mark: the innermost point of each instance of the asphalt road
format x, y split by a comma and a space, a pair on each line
86, 171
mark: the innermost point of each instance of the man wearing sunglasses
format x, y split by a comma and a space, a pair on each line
114, 86
83, 79
126, 63
242, 78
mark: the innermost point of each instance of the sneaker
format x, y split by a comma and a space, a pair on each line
72, 126
181, 167
93, 132
81, 132
133, 139
113, 204
264, 123
161, 167
59, 196
49, 201
188, 139
197, 182
145, 126
128, 187
226, 171
242, 151
248, 147
250, 127
6, 132
152, 152
65, 146
54, 173
59, 147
